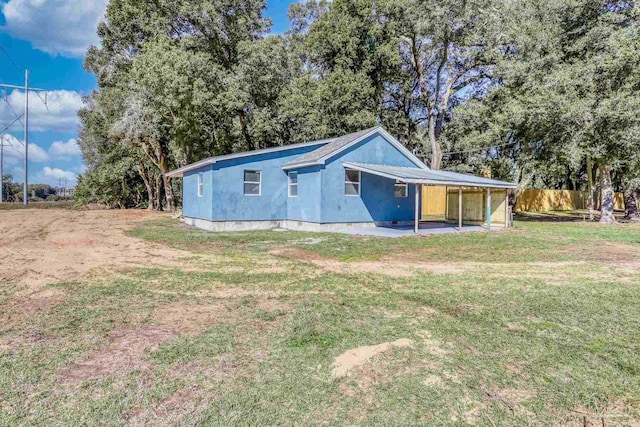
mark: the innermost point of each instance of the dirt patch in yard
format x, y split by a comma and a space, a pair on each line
390, 268
298, 254
26, 304
604, 252
193, 318
123, 353
359, 356
40, 247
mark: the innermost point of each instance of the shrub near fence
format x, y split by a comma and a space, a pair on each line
531, 200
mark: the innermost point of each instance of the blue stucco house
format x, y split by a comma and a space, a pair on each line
367, 178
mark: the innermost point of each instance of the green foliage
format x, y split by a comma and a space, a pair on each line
569, 87
482, 83
7, 187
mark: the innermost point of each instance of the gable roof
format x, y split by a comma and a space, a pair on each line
211, 160
319, 156
428, 176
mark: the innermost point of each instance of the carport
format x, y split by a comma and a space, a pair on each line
469, 199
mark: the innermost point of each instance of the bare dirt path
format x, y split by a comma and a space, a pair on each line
38, 247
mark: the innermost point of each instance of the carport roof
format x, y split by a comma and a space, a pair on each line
427, 176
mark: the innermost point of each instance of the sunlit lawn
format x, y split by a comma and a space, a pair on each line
539, 325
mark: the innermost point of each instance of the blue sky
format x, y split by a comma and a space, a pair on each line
50, 37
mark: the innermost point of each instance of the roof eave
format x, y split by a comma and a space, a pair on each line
301, 165
410, 180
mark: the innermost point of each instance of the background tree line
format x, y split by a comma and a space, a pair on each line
13, 191
545, 92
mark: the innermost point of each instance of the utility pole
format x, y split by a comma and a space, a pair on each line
1, 172
26, 89
26, 138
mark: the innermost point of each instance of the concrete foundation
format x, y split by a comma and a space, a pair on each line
287, 224
231, 225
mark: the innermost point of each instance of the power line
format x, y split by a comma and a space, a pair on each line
473, 150
10, 59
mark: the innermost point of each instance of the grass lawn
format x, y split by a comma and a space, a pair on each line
539, 325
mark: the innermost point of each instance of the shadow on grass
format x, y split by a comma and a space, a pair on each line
562, 216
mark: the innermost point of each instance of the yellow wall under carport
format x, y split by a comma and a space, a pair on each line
439, 202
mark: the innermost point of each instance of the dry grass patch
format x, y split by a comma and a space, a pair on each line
123, 353
192, 319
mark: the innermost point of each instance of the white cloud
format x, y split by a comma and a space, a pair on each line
60, 113
58, 173
58, 27
14, 151
63, 150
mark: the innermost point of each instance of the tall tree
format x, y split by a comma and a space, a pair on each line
568, 89
448, 49
169, 76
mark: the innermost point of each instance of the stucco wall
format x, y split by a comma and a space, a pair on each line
306, 207
377, 201
192, 205
230, 203
321, 197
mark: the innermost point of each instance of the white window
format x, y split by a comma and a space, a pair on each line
293, 184
401, 189
252, 183
200, 184
351, 182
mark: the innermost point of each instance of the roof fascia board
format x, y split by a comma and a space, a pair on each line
302, 165
212, 160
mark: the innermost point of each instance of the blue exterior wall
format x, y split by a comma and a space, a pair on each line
306, 207
377, 201
230, 203
192, 205
320, 199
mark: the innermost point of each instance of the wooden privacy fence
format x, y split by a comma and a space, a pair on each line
531, 200
434, 201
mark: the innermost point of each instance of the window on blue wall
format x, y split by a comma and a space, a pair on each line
293, 184
351, 182
252, 183
401, 189
200, 184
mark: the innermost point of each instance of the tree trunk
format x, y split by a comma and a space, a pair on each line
606, 196
158, 193
168, 192
143, 174
245, 131
591, 198
436, 152
168, 189
631, 206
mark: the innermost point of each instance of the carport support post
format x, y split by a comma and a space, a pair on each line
489, 208
506, 209
459, 208
417, 218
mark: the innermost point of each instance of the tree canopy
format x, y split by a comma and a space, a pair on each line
545, 92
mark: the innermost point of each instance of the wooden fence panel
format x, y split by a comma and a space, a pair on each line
531, 200
474, 206
433, 201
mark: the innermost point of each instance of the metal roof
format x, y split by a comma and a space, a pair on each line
211, 160
428, 176
316, 156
